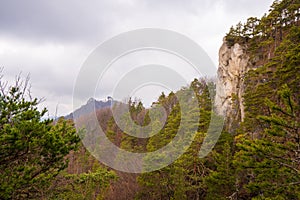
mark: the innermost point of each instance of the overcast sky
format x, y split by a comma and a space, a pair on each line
51, 39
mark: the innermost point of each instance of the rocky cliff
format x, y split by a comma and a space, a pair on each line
233, 65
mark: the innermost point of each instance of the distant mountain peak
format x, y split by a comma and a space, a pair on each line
91, 106
91, 100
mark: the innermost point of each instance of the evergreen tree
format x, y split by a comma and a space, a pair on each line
272, 160
220, 181
32, 149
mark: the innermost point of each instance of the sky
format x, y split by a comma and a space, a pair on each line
50, 40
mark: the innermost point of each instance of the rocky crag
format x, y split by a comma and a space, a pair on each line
234, 63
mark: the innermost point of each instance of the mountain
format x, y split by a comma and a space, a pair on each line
91, 105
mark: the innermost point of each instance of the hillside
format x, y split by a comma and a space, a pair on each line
247, 121
257, 155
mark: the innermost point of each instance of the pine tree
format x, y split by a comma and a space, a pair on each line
32, 149
273, 159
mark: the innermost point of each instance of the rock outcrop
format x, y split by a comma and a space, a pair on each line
233, 65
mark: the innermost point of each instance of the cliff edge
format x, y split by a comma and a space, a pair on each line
234, 63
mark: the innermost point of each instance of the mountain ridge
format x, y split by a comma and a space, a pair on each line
91, 105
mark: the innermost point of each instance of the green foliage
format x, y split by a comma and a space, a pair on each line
269, 29
273, 158
220, 181
183, 179
282, 68
32, 150
88, 185
140, 116
267, 158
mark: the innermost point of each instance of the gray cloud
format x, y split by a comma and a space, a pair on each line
92, 20
256, 7
51, 39
63, 21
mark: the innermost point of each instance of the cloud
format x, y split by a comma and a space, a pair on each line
91, 21
51, 39
62, 21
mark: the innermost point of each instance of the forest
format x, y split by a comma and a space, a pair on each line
254, 158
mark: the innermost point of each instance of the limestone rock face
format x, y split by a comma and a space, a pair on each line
233, 65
